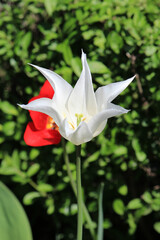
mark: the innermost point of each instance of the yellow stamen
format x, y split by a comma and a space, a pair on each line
71, 125
79, 118
51, 124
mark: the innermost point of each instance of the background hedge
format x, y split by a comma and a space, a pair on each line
120, 38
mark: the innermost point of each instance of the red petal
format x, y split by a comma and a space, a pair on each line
40, 119
46, 90
35, 138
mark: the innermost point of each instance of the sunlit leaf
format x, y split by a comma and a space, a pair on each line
14, 223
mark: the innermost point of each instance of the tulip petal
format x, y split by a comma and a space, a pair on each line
110, 92
82, 97
96, 123
100, 128
81, 135
44, 105
46, 90
40, 119
61, 87
37, 138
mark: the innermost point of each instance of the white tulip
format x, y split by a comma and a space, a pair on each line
79, 113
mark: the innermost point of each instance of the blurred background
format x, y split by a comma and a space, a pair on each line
121, 39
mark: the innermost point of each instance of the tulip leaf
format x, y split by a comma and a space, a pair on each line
100, 213
14, 223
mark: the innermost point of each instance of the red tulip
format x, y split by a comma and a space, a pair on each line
42, 130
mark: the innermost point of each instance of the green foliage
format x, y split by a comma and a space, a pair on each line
13, 220
100, 213
121, 38
157, 226
118, 206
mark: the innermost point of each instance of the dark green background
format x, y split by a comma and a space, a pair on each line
120, 38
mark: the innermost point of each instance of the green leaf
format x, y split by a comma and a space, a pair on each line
147, 197
157, 227
120, 151
98, 67
118, 206
141, 156
50, 205
134, 204
123, 190
150, 50
156, 204
66, 73
26, 40
66, 51
107, 224
50, 6
76, 65
14, 223
100, 213
8, 128
93, 157
29, 197
44, 187
8, 108
143, 211
123, 166
115, 41
132, 224
34, 153
33, 169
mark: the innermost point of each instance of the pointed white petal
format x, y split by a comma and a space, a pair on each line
81, 135
96, 123
100, 128
61, 87
44, 105
82, 97
110, 92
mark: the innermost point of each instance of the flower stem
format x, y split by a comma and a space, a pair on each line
73, 185
79, 194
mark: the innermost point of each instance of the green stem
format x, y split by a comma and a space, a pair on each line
31, 182
73, 185
79, 194
66, 159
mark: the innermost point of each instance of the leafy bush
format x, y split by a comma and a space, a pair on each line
121, 38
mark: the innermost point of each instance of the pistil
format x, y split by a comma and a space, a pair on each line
79, 118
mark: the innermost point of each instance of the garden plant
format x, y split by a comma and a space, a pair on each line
120, 194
